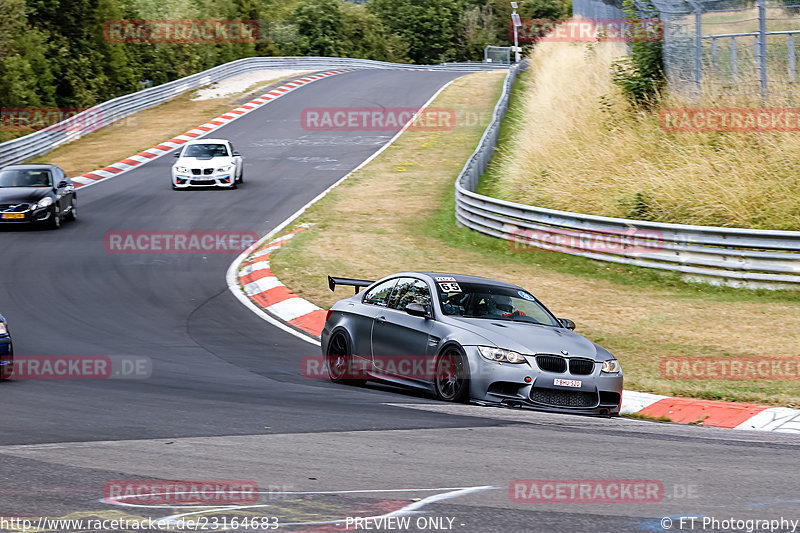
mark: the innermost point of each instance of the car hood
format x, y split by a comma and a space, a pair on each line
532, 339
10, 195
194, 162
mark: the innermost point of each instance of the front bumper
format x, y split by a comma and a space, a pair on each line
6, 357
186, 181
526, 385
6, 347
41, 214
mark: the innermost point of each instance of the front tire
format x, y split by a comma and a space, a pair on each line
73, 212
339, 361
452, 376
55, 222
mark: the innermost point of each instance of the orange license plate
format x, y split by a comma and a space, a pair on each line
13, 215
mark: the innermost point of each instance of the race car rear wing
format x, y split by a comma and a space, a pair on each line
333, 282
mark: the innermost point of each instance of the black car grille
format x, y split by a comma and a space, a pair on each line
563, 398
205, 171
204, 182
17, 208
558, 364
581, 367
552, 363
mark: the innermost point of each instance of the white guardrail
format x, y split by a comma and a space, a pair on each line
730, 256
23, 148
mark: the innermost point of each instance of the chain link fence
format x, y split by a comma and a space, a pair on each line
740, 48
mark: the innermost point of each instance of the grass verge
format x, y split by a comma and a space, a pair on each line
577, 145
396, 214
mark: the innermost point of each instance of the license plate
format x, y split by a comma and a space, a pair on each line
13, 215
567, 382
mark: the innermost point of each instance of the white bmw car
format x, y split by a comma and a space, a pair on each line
207, 163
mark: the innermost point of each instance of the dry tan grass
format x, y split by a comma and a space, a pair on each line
582, 148
141, 131
372, 225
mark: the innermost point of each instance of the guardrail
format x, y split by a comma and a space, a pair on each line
42, 141
730, 256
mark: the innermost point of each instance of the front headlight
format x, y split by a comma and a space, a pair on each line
226, 168
3, 329
181, 170
45, 202
611, 366
498, 354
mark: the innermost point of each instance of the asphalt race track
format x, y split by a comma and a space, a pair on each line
226, 401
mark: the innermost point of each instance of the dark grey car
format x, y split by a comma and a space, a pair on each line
36, 194
467, 338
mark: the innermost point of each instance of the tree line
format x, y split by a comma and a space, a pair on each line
54, 53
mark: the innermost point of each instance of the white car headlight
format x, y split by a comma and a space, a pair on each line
45, 202
3, 328
181, 170
498, 354
225, 168
611, 366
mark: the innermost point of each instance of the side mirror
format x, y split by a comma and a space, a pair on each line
566, 323
62, 184
418, 309
236, 154
177, 154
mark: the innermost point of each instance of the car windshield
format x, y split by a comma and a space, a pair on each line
206, 150
24, 178
474, 300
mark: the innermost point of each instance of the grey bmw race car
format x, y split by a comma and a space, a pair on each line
467, 338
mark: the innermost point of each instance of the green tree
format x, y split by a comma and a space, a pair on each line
319, 26
428, 26
640, 75
363, 34
476, 30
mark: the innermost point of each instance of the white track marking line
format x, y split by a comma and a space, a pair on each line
160, 153
414, 507
231, 275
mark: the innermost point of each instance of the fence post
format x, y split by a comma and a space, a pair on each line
734, 64
714, 54
762, 44
792, 58
698, 47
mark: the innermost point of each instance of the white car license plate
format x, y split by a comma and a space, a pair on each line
567, 382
